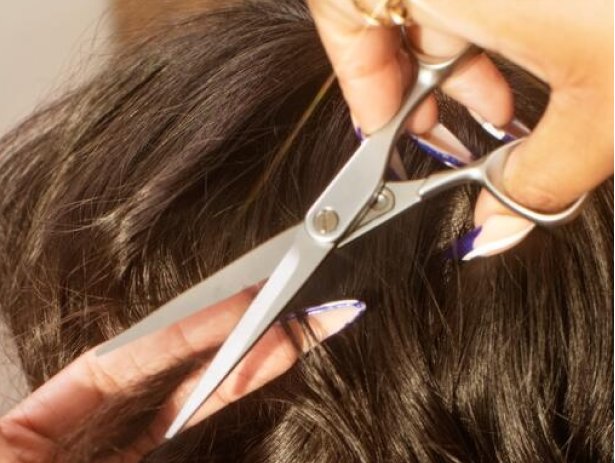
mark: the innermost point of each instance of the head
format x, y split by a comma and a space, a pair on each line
191, 148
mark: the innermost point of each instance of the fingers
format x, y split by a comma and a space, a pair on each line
424, 118
74, 393
374, 72
68, 399
494, 233
272, 355
478, 85
20, 444
569, 153
363, 59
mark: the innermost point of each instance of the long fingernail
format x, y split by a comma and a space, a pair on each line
330, 318
514, 130
498, 234
444, 146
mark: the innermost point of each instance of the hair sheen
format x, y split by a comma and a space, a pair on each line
178, 157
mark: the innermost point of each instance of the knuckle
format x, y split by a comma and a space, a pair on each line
224, 395
12, 440
103, 381
185, 348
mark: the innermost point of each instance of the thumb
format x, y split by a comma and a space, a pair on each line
569, 153
569, 47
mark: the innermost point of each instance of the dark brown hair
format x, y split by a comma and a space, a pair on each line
178, 158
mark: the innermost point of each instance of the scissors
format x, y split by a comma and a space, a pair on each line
356, 201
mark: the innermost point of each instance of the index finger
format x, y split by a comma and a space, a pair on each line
374, 70
363, 59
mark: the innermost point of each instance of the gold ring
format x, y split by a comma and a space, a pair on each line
386, 13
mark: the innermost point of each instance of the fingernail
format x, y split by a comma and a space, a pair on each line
330, 318
359, 133
357, 130
514, 130
498, 234
443, 145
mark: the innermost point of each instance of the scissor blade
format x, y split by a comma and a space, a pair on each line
298, 264
251, 268
405, 194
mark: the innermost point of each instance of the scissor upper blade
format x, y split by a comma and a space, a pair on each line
248, 270
293, 271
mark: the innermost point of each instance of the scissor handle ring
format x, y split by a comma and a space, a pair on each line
492, 168
488, 172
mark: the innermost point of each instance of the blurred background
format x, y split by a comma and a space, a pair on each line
48, 47
42, 45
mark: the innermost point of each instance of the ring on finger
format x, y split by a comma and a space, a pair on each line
385, 13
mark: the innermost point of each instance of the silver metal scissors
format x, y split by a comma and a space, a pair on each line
340, 215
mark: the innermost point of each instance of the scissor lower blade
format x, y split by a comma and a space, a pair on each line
251, 268
294, 269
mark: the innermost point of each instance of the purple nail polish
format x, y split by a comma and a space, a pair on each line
445, 158
508, 138
463, 245
359, 133
360, 306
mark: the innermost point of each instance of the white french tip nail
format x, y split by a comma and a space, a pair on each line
487, 126
329, 319
498, 234
514, 130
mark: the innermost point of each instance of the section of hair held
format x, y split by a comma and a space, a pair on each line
187, 151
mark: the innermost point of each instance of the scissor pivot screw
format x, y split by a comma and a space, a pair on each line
326, 221
384, 201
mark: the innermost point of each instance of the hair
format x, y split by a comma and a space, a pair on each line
187, 151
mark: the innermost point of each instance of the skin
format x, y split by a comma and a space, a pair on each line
30, 432
567, 44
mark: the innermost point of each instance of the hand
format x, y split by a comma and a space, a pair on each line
31, 431
567, 44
